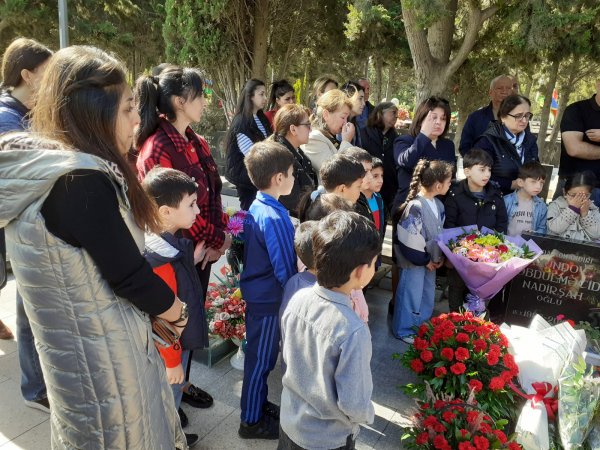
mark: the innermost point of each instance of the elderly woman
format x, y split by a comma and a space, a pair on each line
74, 214
509, 141
331, 118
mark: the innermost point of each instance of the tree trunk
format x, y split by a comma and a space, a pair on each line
545, 114
378, 78
261, 37
387, 84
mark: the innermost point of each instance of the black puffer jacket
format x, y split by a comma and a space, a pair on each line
463, 208
382, 146
506, 159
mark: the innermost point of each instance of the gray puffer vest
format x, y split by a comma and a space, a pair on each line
106, 381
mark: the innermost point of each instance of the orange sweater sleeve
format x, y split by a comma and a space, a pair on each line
171, 356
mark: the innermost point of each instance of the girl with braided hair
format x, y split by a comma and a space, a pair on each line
421, 218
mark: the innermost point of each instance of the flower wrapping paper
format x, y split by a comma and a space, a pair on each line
485, 279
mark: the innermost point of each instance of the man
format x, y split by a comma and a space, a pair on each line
580, 139
362, 119
478, 121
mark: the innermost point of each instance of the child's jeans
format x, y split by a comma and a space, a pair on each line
177, 388
414, 300
262, 348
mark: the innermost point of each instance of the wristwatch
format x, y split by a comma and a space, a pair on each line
183, 315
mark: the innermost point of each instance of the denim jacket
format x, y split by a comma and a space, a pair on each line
540, 211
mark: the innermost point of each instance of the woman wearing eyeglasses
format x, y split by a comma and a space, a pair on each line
509, 141
291, 127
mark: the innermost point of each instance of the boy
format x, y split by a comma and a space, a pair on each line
324, 408
269, 262
366, 159
473, 201
373, 199
526, 211
174, 259
343, 176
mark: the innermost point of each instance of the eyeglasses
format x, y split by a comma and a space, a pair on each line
526, 116
305, 124
581, 195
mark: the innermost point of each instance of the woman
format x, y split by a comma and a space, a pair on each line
509, 141
80, 224
249, 125
23, 65
378, 139
282, 93
168, 104
333, 110
426, 140
321, 85
292, 127
356, 93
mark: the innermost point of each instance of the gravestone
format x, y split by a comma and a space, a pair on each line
564, 280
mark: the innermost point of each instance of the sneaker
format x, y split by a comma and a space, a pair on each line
191, 439
408, 339
5, 332
197, 398
183, 419
266, 428
41, 404
271, 409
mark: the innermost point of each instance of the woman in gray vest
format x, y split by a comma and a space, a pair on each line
74, 214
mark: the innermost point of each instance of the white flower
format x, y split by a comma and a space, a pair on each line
224, 316
218, 301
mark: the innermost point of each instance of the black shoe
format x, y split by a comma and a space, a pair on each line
271, 409
197, 398
191, 439
391, 305
182, 418
266, 428
41, 404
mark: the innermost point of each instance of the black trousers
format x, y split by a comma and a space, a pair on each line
285, 443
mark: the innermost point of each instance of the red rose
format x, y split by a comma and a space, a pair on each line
417, 366
463, 338
423, 329
448, 416
503, 341
430, 422
463, 432
502, 248
570, 322
440, 372
472, 417
458, 368
447, 353
471, 237
465, 445
439, 441
439, 404
501, 436
426, 356
447, 334
420, 344
506, 376
479, 345
481, 443
439, 428
514, 446
435, 339
469, 328
509, 361
476, 385
492, 359
494, 348
485, 428
422, 438
461, 354
436, 321
497, 384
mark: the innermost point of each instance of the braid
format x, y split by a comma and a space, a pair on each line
414, 186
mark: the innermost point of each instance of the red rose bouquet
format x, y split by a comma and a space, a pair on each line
457, 354
455, 425
225, 307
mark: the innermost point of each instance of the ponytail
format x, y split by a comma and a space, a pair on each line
278, 89
146, 92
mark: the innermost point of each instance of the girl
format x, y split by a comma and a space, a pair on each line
168, 104
282, 93
291, 129
418, 255
573, 215
84, 207
249, 125
356, 93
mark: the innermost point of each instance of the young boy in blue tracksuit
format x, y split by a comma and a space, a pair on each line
269, 262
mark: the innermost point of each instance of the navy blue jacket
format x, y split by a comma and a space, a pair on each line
475, 126
269, 256
506, 159
408, 150
13, 114
382, 146
179, 253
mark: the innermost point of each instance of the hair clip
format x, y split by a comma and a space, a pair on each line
314, 194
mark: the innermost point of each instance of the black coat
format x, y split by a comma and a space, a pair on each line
506, 159
305, 178
463, 208
382, 146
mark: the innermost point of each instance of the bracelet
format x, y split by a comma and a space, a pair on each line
183, 315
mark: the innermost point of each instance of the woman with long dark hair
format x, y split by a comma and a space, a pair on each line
249, 126
74, 213
282, 93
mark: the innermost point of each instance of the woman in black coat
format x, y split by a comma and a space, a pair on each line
378, 139
509, 141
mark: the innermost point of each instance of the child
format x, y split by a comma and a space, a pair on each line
525, 210
366, 159
269, 262
321, 203
418, 255
371, 201
304, 250
473, 201
573, 215
327, 386
174, 259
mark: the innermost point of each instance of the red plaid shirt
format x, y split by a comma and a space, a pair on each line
167, 148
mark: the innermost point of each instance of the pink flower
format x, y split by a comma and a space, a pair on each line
235, 226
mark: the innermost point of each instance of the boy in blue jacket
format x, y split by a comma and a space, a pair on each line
269, 262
